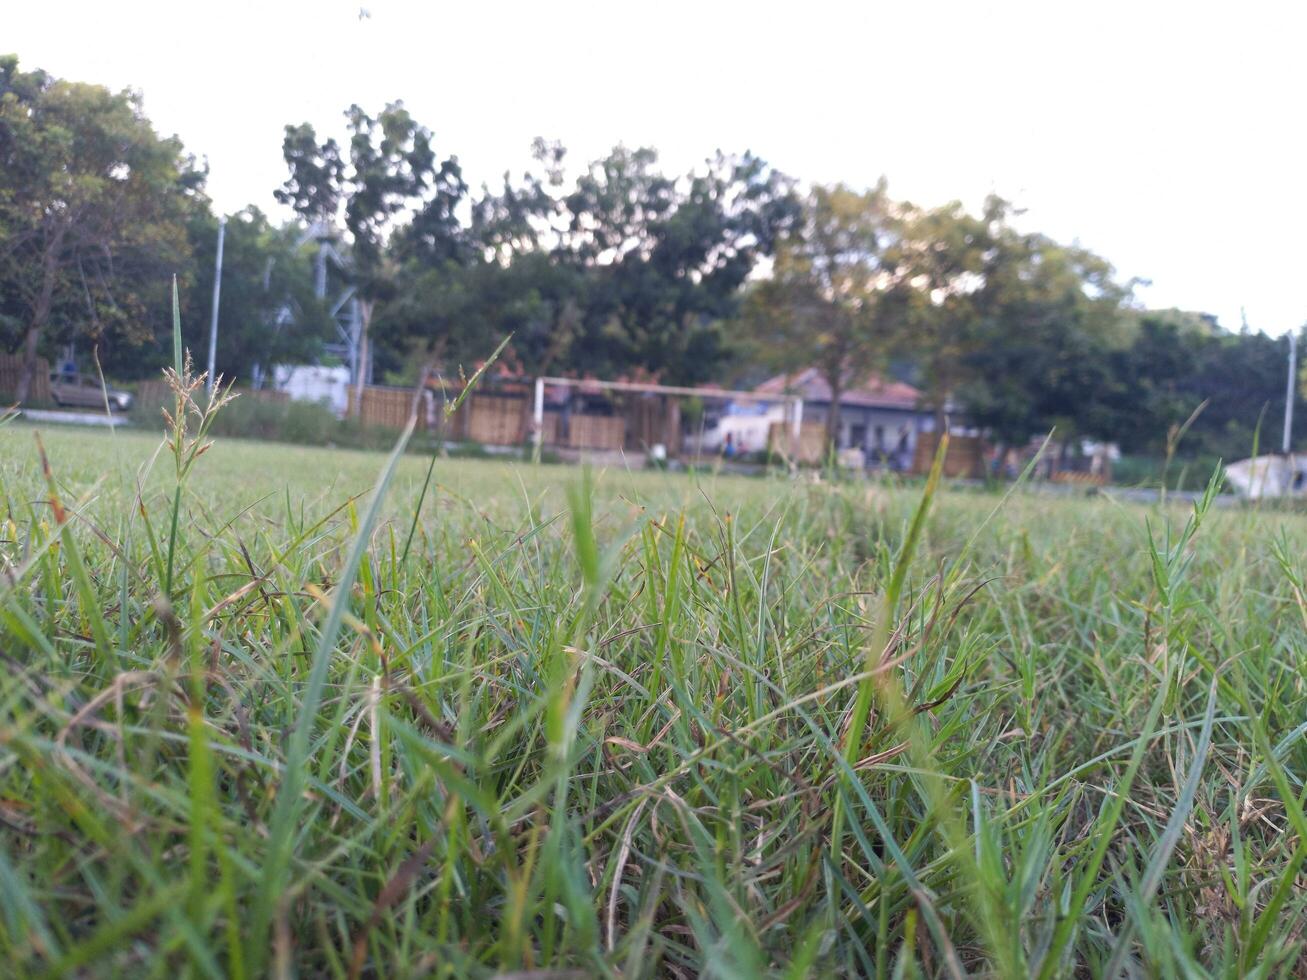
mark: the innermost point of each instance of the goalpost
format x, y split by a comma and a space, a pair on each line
794, 402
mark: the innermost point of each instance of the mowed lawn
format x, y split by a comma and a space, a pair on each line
635, 724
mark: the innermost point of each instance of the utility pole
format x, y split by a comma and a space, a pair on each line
213, 320
1289, 390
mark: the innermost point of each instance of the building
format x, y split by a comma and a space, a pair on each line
880, 418
314, 383
736, 426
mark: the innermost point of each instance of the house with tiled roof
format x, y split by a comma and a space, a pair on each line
878, 416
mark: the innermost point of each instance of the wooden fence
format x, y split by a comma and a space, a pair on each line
504, 419
158, 392
651, 421
11, 369
809, 448
153, 393
495, 420
596, 432
965, 456
550, 426
389, 407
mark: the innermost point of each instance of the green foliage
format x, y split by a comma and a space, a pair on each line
307, 423
93, 208
1171, 368
632, 271
445, 312
1189, 473
1048, 320
948, 262
830, 301
317, 175
391, 164
269, 314
1011, 330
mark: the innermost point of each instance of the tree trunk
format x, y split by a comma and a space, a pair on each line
40, 314
941, 421
28, 370
833, 419
365, 318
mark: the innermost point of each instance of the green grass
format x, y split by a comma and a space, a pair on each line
602, 723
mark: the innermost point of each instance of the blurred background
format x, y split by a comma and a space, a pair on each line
1033, 216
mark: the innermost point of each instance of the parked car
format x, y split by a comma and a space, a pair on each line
84, 391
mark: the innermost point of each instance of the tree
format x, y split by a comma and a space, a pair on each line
665, 259
832, 300
944, 254
445, 313
93, 207
501, 275
391, 166
1177, 361
522, 219
643, 267
1048, 318
317, 176
269, 313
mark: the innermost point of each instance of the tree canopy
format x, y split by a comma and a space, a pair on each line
833, 300
93, 210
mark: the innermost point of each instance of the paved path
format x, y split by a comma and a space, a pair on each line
73, 418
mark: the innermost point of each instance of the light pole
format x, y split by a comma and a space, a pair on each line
1289, 390
213, 320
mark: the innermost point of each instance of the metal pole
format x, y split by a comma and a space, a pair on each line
213, 320
1289, 391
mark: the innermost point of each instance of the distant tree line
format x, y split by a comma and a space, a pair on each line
619, 269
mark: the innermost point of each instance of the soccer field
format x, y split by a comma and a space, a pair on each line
260, 719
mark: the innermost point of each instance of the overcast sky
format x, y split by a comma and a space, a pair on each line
1166, 136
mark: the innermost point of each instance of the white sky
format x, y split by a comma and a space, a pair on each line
1166, 136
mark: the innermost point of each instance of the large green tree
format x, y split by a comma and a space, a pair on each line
654, 263
944, 255
665, 259
93, 210
450, 314
269, 313
1177, 362
388, 167
833, 299
1047, 320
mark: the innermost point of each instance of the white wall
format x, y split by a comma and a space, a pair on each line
314, 383
893, 425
